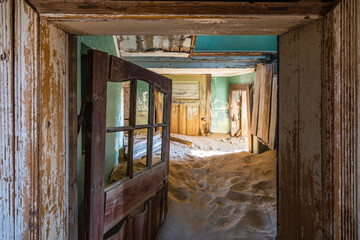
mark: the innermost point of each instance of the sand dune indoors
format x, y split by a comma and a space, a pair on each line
229, 196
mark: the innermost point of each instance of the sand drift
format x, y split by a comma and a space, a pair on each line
231, 196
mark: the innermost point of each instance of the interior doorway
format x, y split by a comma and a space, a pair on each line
214, 182
239, 109
312, 142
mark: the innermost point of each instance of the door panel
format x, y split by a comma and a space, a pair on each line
148, 115
185, 119
191, 105
235, 112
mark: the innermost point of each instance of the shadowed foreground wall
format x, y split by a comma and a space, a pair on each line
299, 169
34, 195
340, 127
318, 195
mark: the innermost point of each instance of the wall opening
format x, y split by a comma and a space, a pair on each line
213, 179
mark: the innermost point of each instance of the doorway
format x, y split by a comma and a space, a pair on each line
211, 170
239, 113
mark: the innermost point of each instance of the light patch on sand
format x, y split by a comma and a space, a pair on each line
200, 153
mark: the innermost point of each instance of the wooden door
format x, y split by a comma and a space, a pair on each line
235, 113
191, 107
240, 107
107, 207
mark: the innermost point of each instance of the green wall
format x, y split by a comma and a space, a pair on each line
114, 108
220, 122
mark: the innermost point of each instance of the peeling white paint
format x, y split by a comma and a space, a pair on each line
26, 122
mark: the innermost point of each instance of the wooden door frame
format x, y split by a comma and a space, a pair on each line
248, 89
53, 17
73, 135
49, 11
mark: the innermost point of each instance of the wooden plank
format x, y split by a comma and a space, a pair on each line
132, 122
182, 119
124, 198
208, 104
164, 200
230, 54
327, 111
95, 144
288, 163
122, 70
129, 128
357, 98
97, 24
178, 8
139, 224
192, 119
192, 46
26, 122
340, 119
165, 148
165, 152
175, 121
249, 96
189, 120
190, 144
274, 113
263, 88
130, 17
309, 156
267, 99
244, 116
150, 132
53, 164
72, 144
196, 113
7, 135
255, 109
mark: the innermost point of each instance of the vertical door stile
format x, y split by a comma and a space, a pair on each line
249, 111
132, 123
165, 129
151, 129
95, 129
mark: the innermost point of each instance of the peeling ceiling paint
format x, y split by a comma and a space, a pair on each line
154, 45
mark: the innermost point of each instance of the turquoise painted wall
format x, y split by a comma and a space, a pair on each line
220, 122
236, 43
114, 109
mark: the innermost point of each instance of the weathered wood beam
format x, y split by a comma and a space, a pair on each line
181, 8
110, 17
215, 62
72, 118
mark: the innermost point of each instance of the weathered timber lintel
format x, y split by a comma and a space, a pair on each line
186, 8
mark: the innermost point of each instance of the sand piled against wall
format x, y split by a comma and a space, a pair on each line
231, 196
